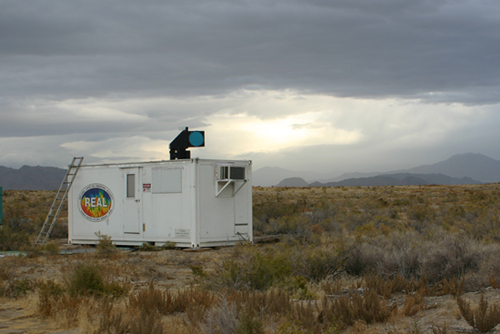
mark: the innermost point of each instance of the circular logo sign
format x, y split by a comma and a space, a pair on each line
96, 202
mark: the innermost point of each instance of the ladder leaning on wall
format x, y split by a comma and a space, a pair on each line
55, 209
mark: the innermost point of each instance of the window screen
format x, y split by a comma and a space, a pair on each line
130, 185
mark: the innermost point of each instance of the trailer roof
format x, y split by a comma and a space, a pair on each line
141, 163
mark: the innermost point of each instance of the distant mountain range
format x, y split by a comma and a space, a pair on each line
31, 178
402, 179
476, 166
468, 168
271, 176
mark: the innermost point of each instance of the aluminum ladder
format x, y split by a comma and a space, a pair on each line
56, 207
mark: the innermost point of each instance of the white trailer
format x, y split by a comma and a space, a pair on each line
190, 202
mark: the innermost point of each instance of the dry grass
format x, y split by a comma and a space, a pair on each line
413, 303
364, 306
360, 259
482, 317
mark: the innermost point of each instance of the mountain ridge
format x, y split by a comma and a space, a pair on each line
473, 165
270, 176
478, 167
401, 179
31, 178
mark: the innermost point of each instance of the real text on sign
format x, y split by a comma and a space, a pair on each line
95, 202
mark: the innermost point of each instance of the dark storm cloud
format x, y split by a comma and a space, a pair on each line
35, 117
445, 51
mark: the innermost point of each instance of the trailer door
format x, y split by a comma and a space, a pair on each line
132, 216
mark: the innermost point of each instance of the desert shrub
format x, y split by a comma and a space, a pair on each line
146, 322
305, 314
194, 302
401, 254
254, 270
406, 263
483, 317
289, 327
297, 226
367, 307
361, 259
105, 245
324, 210
490, 266
482, 222
260, 227
11, 240
222, 318
413, 256
155, 300
60, 230
86, 280
453, 256
50, 248
317, 263
116, 289
49, 294
401, 202
414, 302
296, 286
385, 286
51, 288
198, 270
17, 288
249, 323
420, 212
272, 207
148, 247
331, 288
273, 301
198, 296
109, 321
19, 224
358, 221
3, 285
65, 301
64, 307
452, 286
136, 321
169, 245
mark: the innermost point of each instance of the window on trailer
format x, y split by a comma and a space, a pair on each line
130, 185
231, 173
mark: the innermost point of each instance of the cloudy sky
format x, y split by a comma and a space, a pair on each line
320, 85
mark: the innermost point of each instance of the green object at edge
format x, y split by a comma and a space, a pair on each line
1, 205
